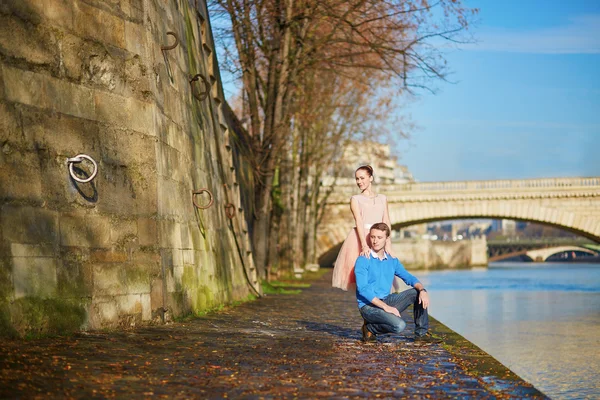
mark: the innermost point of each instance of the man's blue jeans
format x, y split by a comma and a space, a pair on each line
379, 321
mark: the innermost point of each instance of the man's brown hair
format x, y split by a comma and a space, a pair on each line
381, 226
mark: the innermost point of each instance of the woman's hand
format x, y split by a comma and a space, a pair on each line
366, 251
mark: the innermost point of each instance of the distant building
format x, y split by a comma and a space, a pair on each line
509, 227
377, 155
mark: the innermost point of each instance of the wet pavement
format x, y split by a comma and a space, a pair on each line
303, 345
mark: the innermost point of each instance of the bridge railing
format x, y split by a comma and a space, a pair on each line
545, 183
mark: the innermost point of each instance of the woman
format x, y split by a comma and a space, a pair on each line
367, 208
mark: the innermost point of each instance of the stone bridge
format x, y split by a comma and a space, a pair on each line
567, 203
542, 255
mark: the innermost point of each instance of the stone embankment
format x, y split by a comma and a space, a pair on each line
282, 346
135, 86
428, 254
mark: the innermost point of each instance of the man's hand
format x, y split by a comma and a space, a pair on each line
392, 310
424, 299
388, 309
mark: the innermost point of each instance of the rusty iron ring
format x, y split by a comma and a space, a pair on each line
195, 192
230, 210
171, 47
204, 95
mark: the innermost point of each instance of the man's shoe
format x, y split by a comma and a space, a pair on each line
428, 338
367, 336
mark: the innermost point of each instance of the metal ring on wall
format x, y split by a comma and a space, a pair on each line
230, 210
195, 192
171, 47
78, 159
203, 95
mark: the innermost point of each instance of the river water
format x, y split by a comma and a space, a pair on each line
540, 320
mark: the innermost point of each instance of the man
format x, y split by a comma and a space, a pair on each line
380, 309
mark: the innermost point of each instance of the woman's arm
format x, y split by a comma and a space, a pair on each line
360, 227
386, 220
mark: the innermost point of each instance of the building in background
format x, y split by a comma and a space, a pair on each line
385, 165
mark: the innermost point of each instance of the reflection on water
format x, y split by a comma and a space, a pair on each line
546, 329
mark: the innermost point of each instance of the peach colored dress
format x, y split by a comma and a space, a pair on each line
371, 210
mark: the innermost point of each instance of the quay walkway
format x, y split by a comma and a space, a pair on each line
303, 345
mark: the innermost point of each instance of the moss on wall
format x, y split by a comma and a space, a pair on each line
34, 317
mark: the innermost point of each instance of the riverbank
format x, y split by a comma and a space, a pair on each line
439, 254
303, 345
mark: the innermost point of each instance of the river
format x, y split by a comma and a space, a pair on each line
540, 320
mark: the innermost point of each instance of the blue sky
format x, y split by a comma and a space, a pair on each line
525, 102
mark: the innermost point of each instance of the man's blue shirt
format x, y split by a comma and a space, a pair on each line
374, 277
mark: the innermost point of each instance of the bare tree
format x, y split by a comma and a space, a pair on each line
281, 42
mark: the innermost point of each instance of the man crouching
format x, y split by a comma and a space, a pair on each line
380, 309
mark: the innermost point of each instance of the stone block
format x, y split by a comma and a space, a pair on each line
188, 257
29, 225
130, 149
124, 112
74, 275
108, 256
186, 241
123, 233
70, 56
11, 129
115, 192
53, 12
20, 174
98, 24
170, 163
171, 285
58, 189
178, 275
156, 294
176, 138
169, 234
32, 250
166, 258
34, 276
70, 99
29, 42
62, 135
173, 106
129, 304
196, 237
146, 307
25, 87
77, 229
135, 38
108, 280
177, 257
46, 92
138, 278
133, 9
149, 260
104, 313
147, 232
146, 195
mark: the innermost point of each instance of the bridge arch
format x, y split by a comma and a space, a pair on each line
544, 254
572, 204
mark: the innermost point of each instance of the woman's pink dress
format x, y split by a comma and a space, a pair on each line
372, 210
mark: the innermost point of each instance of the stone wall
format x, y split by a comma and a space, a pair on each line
427, 254
129, 247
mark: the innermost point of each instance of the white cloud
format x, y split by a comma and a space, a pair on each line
580, 36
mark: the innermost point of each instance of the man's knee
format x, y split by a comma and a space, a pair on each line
414, 292
398, 325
